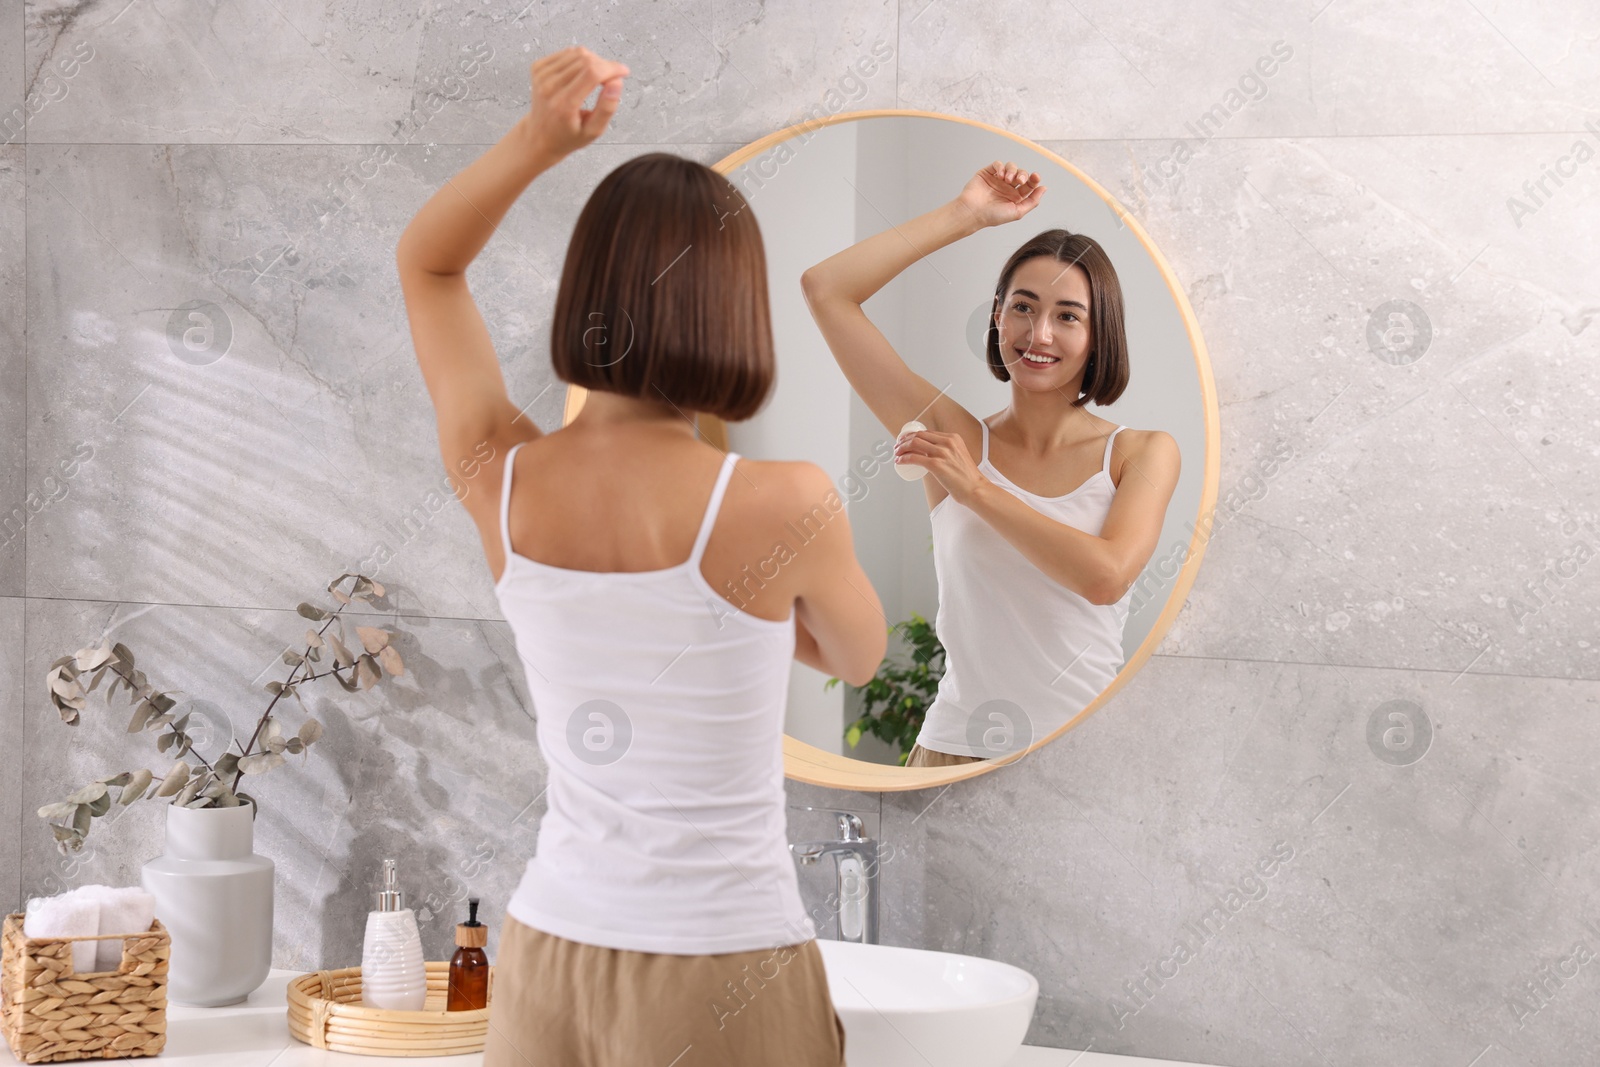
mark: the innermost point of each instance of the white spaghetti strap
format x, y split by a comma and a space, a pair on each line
1105, 464
985, 457
710, 517
505, 500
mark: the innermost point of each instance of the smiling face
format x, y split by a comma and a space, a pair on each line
1044, 325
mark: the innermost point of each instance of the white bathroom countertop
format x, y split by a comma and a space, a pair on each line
256, 1034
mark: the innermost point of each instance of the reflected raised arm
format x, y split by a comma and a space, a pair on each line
836, 288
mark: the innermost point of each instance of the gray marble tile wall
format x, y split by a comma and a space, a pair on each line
13, 440
1425, 552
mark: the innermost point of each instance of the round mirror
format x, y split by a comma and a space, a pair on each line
999, 640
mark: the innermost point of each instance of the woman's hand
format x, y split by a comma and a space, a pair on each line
1000, 193
561, 82
946, 458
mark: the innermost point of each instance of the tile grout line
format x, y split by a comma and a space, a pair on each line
1154, 655
22, 620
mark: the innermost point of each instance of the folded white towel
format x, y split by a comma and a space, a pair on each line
128, 910
67, 915
92, 911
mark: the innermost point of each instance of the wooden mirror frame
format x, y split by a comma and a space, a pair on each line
805, 762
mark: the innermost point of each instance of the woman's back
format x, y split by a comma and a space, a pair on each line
629, 498
660, 702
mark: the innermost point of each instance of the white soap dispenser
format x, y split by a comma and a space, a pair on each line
392, 971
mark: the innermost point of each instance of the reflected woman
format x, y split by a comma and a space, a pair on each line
1037, 542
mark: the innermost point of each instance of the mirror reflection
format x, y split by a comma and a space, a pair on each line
994, 364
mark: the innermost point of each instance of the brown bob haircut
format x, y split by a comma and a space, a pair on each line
664, 292
1107, 373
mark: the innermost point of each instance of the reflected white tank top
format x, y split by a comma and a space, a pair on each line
1023, 653
660, 712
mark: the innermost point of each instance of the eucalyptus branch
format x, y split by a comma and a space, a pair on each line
373, 642
146, 691
290, 682
210, 784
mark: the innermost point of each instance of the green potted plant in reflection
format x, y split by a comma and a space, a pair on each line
893, 703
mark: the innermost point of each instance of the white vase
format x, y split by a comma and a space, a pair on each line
214, 896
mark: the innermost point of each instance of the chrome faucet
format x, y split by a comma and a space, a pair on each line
855, 859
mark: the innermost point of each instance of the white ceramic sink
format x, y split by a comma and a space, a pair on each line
910, 1007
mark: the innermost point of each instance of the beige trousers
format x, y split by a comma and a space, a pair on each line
561, 1003
929, 757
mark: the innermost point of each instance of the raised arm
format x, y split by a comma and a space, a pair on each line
458, 360
836, 288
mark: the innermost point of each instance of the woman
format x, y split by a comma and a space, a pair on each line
660, 919
1035, 566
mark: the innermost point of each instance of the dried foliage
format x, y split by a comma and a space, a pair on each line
210, 785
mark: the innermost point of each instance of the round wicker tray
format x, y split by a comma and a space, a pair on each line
325, 1011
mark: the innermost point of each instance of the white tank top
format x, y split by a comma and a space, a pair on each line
660, 713
1023, 653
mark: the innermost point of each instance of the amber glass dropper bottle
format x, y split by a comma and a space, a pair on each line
469, 967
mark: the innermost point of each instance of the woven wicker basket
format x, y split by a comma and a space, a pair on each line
325, 1011
50, 1014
